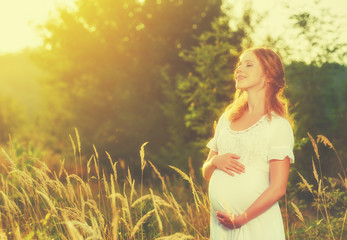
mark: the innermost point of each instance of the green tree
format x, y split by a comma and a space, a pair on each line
107, 59
319, 103
317, 85
203, 90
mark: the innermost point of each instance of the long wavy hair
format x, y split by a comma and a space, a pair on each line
275, 100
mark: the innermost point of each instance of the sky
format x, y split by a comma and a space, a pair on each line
19, 18
18, 21
278, 14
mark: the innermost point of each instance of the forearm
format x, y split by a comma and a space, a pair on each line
268, 198
208, 168
279, 170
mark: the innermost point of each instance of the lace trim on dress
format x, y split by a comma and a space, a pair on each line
247, 129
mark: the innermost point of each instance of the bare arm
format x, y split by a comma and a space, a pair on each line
279, 171
208, 167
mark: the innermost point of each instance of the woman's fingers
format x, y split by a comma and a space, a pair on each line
226, 219
234, 159
230, 172
236, 167
234, 156
230, 164
235, 170
237, 162
221, 215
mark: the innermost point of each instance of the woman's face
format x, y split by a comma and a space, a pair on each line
249, 73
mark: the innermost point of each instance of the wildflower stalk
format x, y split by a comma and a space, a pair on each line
143, 164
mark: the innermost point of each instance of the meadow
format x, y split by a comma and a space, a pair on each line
130, 71
88, 201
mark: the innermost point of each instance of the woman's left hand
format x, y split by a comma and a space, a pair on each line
230, 220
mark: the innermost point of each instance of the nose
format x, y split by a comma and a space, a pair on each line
238, 69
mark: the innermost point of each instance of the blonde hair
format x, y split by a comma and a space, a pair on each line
275, 100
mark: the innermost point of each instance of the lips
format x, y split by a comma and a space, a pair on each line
240, 77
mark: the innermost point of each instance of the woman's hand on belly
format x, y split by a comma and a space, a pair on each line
228, 163
230, 220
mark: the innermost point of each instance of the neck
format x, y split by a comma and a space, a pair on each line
256, 102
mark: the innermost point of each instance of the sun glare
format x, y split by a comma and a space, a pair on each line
18, 21
19, 18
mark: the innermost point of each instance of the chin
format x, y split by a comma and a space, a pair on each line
240, 87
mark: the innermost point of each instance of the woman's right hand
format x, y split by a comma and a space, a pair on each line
228, 163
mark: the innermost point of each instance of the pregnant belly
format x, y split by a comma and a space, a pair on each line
236, 193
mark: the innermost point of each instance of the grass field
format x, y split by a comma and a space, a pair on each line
37, 202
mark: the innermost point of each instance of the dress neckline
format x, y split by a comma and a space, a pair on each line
247, 129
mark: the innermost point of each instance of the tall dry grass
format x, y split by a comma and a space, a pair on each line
328, 210
38, 203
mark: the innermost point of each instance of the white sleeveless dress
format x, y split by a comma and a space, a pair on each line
256, 146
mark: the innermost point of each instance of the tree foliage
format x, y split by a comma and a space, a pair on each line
126, 72
196, 96
319, 104
317, 85
107, 60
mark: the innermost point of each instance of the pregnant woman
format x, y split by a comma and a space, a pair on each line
250, 153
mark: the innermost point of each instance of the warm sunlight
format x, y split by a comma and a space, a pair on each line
277, 13
18, 19
122, 119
